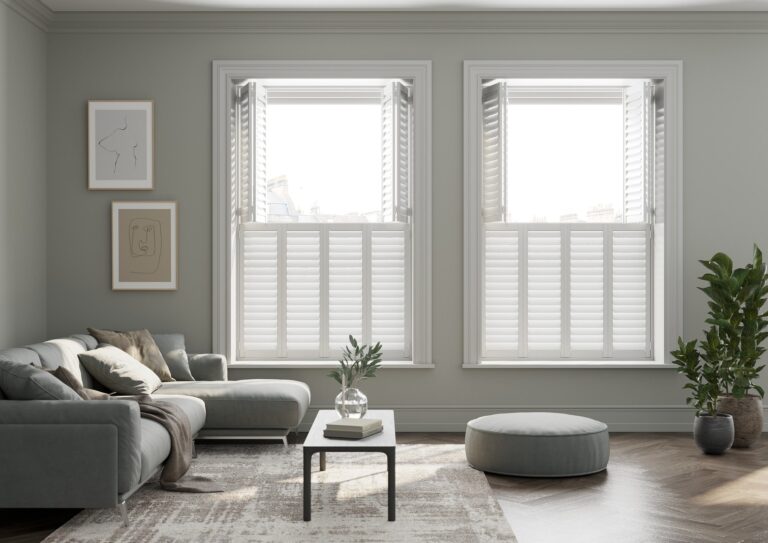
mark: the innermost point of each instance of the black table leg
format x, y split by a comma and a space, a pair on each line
307, 485
322, 460
391, 485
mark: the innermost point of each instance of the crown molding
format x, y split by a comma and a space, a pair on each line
33, 11
346, 22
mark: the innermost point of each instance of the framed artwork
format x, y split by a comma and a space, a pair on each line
144, 245
120, 145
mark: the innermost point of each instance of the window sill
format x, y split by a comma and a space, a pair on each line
318, 365
559, 364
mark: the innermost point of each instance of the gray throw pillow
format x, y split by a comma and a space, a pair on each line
175, 353
26, 382
65, 376
119, 372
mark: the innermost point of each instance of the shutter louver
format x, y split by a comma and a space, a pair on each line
388, 294
345, 290
586, 290
260, 291
636, 99
544, 286
493, 151
501, 317
630, 296
302, 304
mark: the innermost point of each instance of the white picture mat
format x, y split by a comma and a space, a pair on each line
131, 285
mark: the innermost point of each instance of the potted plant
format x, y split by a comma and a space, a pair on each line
712, 431
356, 365
736, 301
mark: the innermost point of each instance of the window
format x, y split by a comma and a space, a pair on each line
564, 250
328, 212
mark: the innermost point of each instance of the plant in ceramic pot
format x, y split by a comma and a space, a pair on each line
712, 431
356, 364
736, 314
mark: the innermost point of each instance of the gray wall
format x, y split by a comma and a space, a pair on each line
22, 180
726, 116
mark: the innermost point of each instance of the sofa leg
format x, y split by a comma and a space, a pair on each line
285, 442
194, 450
123, 513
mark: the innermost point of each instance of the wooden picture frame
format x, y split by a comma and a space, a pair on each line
144, 245
120, 145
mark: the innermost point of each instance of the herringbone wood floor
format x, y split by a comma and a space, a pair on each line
658, 489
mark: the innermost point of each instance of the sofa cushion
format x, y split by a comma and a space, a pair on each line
25, 382
251, 403
175, 353
120, 372
155, 441
21, 355
63, 352
140, 345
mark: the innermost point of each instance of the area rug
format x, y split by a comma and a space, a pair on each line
439, 499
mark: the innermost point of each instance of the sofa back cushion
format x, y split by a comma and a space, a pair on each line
63, 352
175, 353
119, 372
26, 382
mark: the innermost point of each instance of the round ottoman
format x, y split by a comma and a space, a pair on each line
537, 444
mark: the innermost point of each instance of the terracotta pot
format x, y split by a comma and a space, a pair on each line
713, 435
747, 415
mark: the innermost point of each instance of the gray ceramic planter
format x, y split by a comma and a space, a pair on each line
713, 435
747, 415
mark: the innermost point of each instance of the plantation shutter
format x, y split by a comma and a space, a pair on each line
302, 292
389, 297
397, 154
544, 288
659, 144
249, 159
636, 152
345, 288
501, 297
260, 291
587, 272
261, 208
493, 151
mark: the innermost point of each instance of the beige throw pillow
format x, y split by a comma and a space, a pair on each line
140, 345
119, 372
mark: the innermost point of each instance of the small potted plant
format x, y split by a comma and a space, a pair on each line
736, 313
712, 431
356, 364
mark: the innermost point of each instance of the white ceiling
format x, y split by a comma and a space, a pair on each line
415, 5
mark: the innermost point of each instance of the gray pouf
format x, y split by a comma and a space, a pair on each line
537, 444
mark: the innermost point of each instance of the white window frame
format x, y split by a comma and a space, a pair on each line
667, 296
224, 265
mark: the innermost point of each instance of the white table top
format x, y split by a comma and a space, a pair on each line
384, 439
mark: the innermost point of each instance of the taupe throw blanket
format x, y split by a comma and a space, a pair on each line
176, 423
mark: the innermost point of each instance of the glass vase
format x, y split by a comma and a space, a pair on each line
351, 403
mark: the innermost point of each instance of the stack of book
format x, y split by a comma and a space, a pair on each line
353, 428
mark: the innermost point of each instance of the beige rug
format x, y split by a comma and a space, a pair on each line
439, 499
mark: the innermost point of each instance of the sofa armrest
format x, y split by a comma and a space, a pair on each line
43, 442
208, 367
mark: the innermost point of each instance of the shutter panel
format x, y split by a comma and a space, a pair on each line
494, 151
630, 295
242, 151
260, 288
586, 290
260, 205
501, 295
544, 290
636, 171
659, 143
388, 294
397, 159
345, 288
302, 305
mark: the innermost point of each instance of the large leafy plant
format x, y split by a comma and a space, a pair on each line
729, 355
356, 364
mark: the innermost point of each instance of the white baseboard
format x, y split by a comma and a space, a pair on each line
619, 418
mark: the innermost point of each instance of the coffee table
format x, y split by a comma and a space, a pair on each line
383, 442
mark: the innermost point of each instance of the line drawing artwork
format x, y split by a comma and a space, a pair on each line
146, 245
123, 145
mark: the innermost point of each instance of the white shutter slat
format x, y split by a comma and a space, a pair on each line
345, 292
388, 295
259, 269
501, 290
544, 287
586, 290
302, 291
493, 151
630, 296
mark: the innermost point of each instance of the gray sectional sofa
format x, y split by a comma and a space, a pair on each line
88, 454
